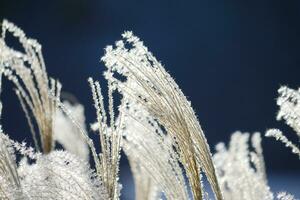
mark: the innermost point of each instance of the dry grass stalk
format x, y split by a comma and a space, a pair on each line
157, 91
27, 71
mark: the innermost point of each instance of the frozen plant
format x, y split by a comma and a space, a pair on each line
154, 125
153, 161
148, 84
28, 73
289, 110
52, 174
241, 172
67, 134
56, 175
238, 179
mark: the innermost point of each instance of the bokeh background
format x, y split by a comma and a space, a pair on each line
229, 57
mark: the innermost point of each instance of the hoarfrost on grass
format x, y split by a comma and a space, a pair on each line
155, 126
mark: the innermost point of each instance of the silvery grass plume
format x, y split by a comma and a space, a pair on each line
56, 175
155, 126
110, 141
68, 135
238, 179
241, 172
151, 86
161, 130
27, 71
52, 174
289, 110
10, 187
153, 161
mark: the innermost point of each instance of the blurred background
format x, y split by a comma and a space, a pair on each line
229, 58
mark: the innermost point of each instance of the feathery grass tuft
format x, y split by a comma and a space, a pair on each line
151, 86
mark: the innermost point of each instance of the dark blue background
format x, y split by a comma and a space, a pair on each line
229, 57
